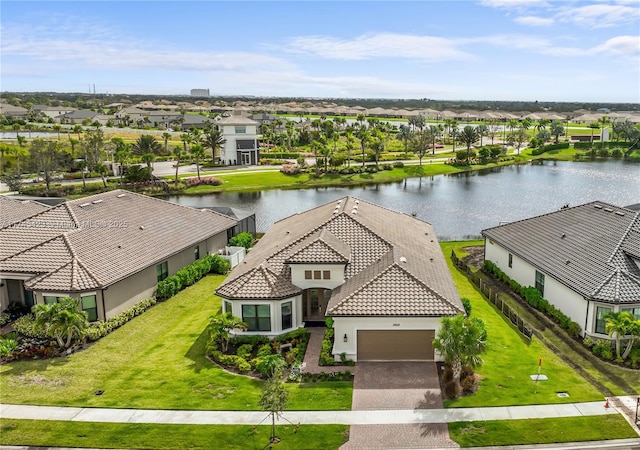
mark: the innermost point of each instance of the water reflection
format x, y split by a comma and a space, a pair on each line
458, 205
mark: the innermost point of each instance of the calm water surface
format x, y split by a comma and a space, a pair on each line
458, 206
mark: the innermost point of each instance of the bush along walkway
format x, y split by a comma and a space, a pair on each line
312, 356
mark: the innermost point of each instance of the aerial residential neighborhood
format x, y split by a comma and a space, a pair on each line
320, 225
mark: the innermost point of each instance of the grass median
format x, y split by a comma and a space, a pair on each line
156, 361
128, 435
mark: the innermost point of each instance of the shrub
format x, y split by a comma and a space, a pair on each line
254, 340
607, 354
447, 375
264, 350
469, 384
467, 305
24, 326
587, 342
398, 164
387, 167
219, 265
8, 344
574, 329
243, 239
290, 169
634, 357
96, 330
244, 351
452, 390
4, 319
208, 181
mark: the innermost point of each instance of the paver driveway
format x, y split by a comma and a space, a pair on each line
397, 385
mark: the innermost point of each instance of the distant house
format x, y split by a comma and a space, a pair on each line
264, 119
246, 219
108, 250
78, 116
585, 260
378, 273
51, 111
241, 140
17, 112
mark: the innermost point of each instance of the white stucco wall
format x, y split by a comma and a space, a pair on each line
228, 153
351, 325
559, 295
276, 315
336, 277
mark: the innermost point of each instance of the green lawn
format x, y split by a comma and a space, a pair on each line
127, 435
156, 361
540, 431
510, 359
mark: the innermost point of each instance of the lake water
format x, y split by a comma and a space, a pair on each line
458, 206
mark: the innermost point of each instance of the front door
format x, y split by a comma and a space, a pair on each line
246, 159
314, 305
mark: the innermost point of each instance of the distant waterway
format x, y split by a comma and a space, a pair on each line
459, 206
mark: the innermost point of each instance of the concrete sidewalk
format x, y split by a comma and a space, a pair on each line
402, 416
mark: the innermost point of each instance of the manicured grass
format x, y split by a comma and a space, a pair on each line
156, 361
540, 431
510, 358
128, 435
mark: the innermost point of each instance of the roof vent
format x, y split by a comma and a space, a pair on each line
403, 259
141, 227
84, 205
567, 262
357, 202
95, 202
608, 210
620, 213
563, 235
120, 195
355, 211
597, 206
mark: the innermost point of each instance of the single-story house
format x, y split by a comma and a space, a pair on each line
378, 273
109, 250
585, 260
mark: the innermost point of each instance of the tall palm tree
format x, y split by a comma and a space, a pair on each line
214, 140
121, 155
145, 144
57, 128
618, 326
177, 154
469, 136
148, 159
404, 135
557, 130
483, 131
453, 133
197, 152
166, 136
364, 136
350, 145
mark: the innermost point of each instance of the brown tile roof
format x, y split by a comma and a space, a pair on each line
377, 239
258, 283
99, 240
589, 248
12, 210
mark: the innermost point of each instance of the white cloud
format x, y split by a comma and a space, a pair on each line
599, 15
380, 45
534, 21
620, 45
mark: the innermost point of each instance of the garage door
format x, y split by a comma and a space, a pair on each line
395, 345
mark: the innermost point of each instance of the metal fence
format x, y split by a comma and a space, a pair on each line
493, 297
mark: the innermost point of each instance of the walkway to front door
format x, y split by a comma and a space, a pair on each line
397, 385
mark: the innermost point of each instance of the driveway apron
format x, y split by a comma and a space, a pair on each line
393, 386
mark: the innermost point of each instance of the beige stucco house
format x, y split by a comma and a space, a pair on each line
585, 260
109, 250
378, 273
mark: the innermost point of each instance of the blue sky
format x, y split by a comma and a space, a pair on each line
473, 50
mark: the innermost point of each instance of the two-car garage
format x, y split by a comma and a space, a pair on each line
395, 345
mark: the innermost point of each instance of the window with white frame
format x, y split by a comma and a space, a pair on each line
89, 304
257, 317
540, 282
634, 311
228, 307
601, 322
510, 260
162, 271
287, 316
240, 130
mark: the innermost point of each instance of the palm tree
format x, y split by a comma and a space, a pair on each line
483, 131
454, 134
215, 141
166, 136
121, 155
469, 136
222, 324
62, 321
621, 324
178, 154
77, 129
148, 158
435, 131
404, 135
542, 124
557, 130
145, 144
364, 136
102, 170
57, 128
197, 151
461, 341
350, 145
378, 145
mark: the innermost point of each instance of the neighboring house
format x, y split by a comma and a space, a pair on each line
195, 121
17, 112
265, 119
246, 219
241, 140
51, 111
108, 250
378, 273
78, 116
130, 114
585, 260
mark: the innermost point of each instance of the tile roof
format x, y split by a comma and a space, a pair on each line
590, 248
12, 210
375, 243
96, 241
259, 283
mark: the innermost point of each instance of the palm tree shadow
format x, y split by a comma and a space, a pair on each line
197, 353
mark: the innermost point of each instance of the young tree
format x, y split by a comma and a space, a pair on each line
419, 144
148, 159
177, 154
103, 171
165, 137
221, 325
274, 399
62, 321
45, 156
461, 341
146, 143
197, 152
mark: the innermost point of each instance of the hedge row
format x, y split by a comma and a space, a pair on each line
546, 148
534, 298
190, 274
99, 330
608, 144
